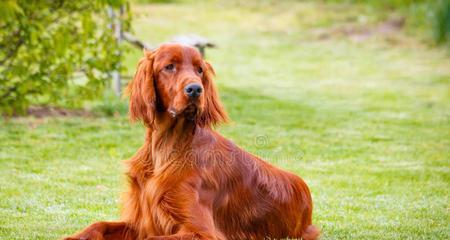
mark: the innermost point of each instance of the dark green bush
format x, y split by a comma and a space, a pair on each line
441, 21
44, 43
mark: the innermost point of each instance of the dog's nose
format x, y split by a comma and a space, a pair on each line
193, 90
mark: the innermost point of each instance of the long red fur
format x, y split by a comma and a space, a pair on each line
189, 182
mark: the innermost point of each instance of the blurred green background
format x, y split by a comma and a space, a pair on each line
354, 96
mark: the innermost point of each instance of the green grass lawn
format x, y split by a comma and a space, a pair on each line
365, 123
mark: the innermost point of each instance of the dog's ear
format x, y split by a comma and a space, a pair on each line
213, 112
142, 91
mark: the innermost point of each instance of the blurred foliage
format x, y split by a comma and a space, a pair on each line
155, 1
109, 105
442, 22
55, 52
381, 3
428, 14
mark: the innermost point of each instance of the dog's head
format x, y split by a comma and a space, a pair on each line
175, 79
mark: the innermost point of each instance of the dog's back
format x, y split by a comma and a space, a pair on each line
253, 199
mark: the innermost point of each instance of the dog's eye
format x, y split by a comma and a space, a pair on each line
200, 70
170, 68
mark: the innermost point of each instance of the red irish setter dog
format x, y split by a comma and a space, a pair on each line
189, 182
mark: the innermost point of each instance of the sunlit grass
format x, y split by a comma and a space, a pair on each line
366, 124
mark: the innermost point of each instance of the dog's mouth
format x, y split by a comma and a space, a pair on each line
189, 112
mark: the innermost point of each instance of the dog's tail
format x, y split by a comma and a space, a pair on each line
311, 233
